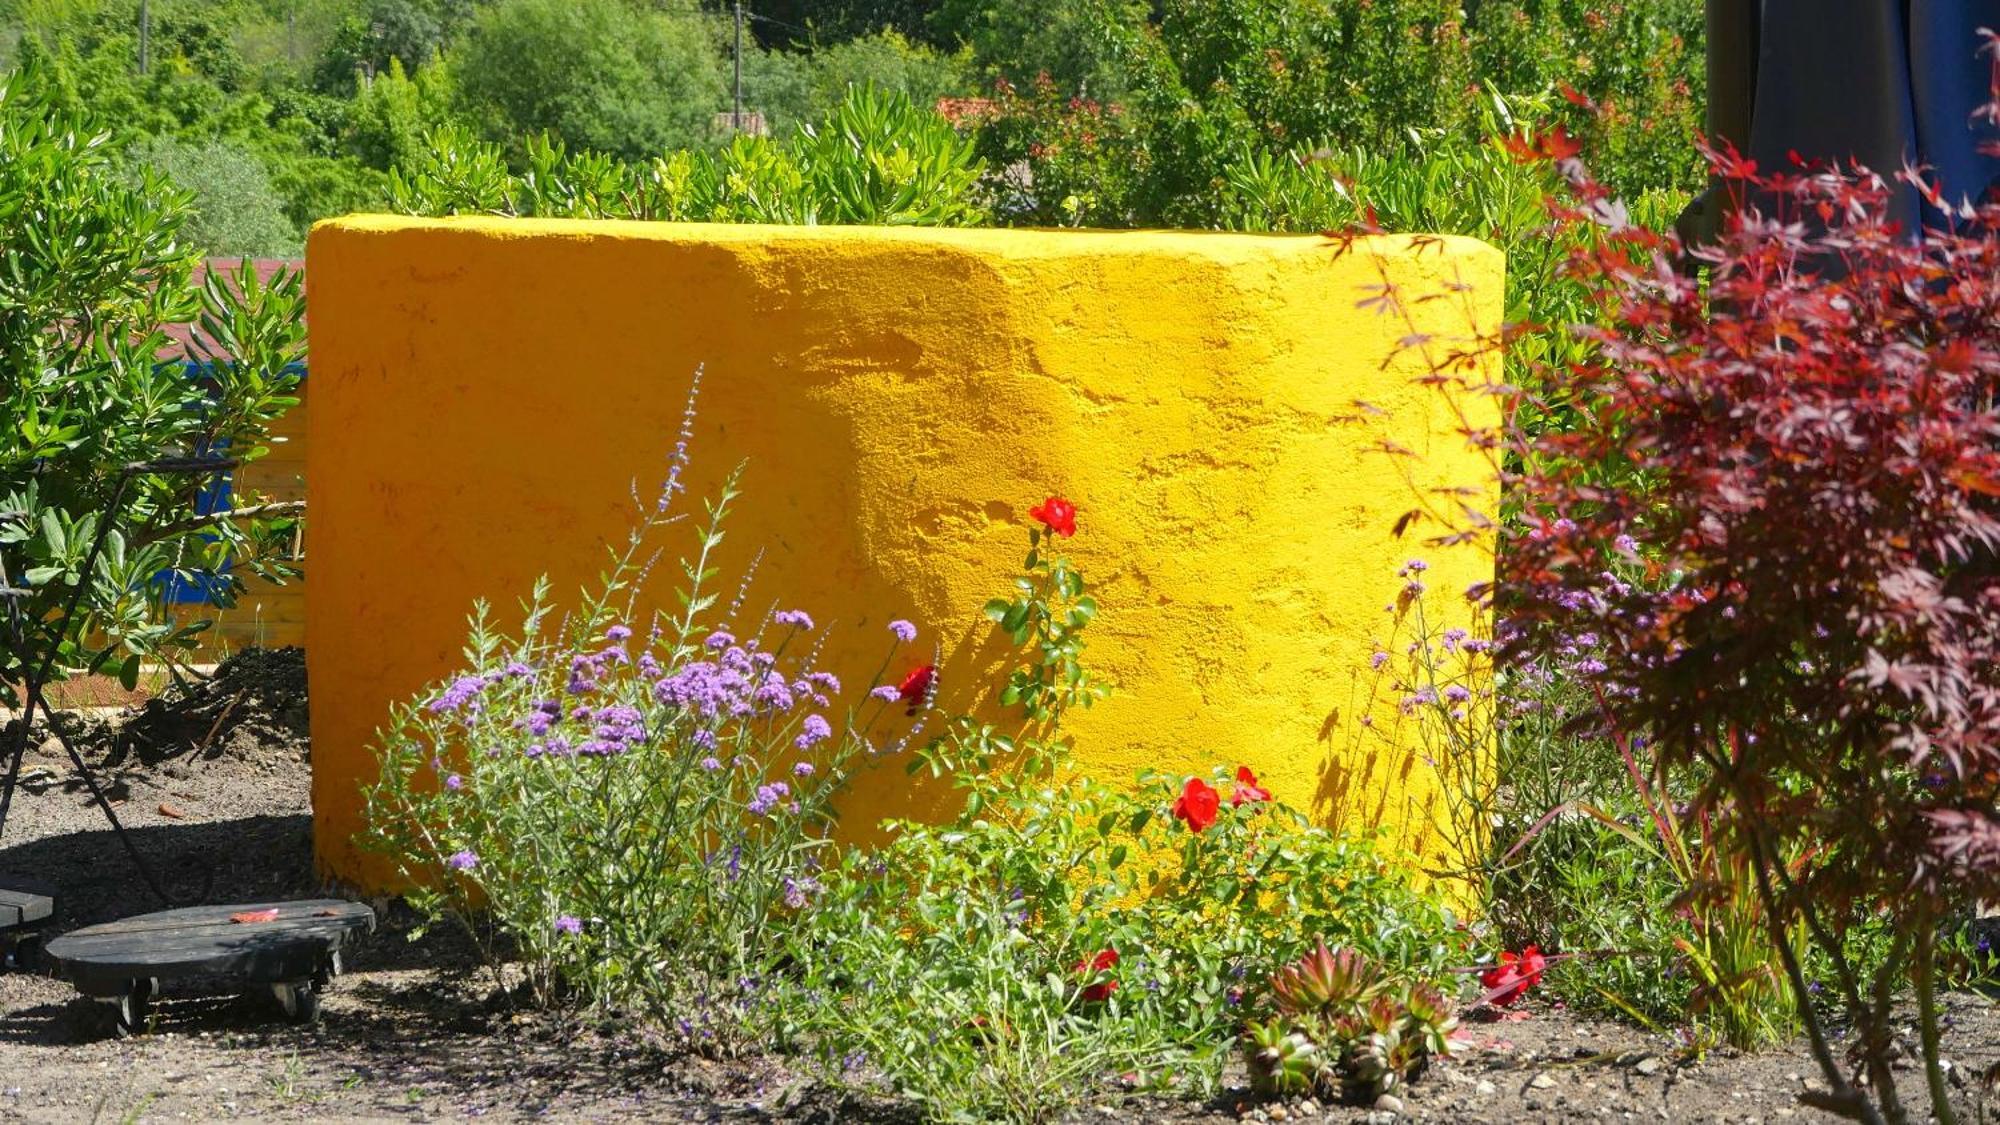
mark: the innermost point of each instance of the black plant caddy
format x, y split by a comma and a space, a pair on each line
296, 954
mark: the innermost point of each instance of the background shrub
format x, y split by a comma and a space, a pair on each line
235, 210
601, 74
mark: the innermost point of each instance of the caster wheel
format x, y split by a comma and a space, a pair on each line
127, 1012
22, 955
299, 999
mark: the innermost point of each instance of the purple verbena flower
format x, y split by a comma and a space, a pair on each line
461, 692
454, 782
803, 769
719, 639
903, 630
464, 860
887, 693
795, 618
768, 796
618, 634
813, 731
568, 924
711, 763
773, 694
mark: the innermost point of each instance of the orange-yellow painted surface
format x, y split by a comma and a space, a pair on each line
486, 393
267, 614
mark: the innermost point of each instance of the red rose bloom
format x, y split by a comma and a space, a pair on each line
1098, 962
1058, 514
1198, 804
1247, 789
916, 686
1511, 979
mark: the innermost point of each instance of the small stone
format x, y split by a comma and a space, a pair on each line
1309, 1108
1389, 1104
1280, 1113
1542, 1081
1650, 1065
1485, 1089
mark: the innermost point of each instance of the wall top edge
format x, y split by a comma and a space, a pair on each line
996, 242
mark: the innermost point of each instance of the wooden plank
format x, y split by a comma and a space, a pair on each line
20, 906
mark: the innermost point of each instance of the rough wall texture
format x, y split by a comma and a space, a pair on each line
487, 393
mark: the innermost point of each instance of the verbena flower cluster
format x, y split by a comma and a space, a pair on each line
619, 785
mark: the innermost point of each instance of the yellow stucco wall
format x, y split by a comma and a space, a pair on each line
486, 393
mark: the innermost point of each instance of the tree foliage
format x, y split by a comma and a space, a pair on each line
98, 264
600, 74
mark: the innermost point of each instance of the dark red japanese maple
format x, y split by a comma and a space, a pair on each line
1798, 429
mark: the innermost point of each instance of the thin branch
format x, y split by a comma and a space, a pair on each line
253, 512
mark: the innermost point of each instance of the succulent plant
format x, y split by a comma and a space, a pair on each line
1374, 1065
1282, 1061
1346, 1029
1431, 1019
1326, 983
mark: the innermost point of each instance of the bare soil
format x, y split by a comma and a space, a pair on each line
213, 785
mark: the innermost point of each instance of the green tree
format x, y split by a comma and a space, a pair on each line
888, 61
385, 126
600, 74
1020, 40
235, 211
97, 263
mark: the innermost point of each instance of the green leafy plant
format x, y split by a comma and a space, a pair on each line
97, 268
1013, 961
874, 158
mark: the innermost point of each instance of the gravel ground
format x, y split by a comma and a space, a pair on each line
213, 784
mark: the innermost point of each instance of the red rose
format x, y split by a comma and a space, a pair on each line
1058, 514
1247, 789
1198, 804
1511, 979
1098, 962
916, 686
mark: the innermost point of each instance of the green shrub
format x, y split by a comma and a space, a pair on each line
236, 211
967, 962
98, 262
875, 158
888, 62
599, 74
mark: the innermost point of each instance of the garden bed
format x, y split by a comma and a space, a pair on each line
414, 1031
